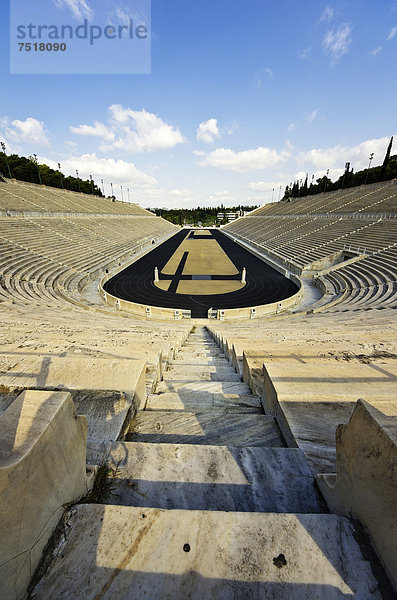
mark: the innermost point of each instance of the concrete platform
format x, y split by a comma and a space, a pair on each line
214, 478
210, 428
134, 553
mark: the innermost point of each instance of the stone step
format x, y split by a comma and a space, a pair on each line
200, 345
205, 387
213, 478
195, 402
200, 361
201, 355
131, 553
209, 373
178, 369
209, 428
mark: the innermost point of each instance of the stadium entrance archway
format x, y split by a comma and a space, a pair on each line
199, 270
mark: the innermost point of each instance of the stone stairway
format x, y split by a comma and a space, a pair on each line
208, 504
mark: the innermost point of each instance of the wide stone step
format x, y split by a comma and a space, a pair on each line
210, 428
213, 478
134, 553
178, 369
196, 402
200, 361
206, 373
204, 387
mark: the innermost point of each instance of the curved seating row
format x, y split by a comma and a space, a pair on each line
302, 237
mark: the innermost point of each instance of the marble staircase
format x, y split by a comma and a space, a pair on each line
208, 504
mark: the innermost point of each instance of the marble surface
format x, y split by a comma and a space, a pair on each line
213, 478
316, 398
186, 388
215, 427
196, 402
131, 553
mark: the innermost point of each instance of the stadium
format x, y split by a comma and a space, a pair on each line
279, 416
198, 300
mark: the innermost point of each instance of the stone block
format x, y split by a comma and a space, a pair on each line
42, 468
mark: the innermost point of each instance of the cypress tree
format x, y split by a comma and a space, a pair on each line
387, 156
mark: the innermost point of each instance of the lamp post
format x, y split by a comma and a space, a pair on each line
78, 180
111, 187
369, 166
122, 197
59, 169
3, 147
103, 189
92, 184
128, 190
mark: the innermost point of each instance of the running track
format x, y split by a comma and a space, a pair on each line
264, 284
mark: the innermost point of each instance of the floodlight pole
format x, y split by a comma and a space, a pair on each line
78, 180
122, 196
59, 169
128, 190
3, 147
103, 189
369, 166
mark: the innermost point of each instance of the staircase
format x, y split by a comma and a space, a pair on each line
209, 504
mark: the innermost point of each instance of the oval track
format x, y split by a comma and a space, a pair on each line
264, 284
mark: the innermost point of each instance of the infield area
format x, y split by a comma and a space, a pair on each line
199, 270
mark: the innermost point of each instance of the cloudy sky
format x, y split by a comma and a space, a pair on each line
243, 97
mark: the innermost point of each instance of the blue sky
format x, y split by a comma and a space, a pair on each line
242, 97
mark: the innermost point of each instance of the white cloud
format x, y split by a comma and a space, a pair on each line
392, 34
233, 127
208, 131
304, 54
97, 130
337, 41
312, 115
291, 127
265, 186
222, 197
376, 51
327, 15
259, 76
337, 156
132, 131
247, 160
122, 16
79, 8
30, 131
119, 172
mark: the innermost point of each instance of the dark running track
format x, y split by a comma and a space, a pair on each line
264, 284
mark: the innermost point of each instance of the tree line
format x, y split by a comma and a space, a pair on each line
206, 216
384, 172
28, 169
